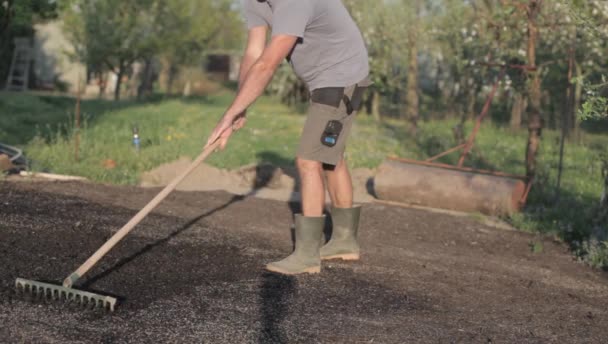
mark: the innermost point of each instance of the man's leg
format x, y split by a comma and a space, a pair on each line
312, 189
306, 257
345, 218
340, 185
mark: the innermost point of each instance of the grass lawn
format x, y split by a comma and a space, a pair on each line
168, 129
171, 128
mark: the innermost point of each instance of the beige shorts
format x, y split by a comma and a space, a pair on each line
310, 147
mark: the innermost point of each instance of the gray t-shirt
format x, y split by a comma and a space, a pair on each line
330, 51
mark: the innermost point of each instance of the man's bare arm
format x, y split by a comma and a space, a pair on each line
252, 86
260, 73
256, 41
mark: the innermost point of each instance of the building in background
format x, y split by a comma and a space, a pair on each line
51, 66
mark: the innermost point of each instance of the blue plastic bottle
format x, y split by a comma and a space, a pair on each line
136, 138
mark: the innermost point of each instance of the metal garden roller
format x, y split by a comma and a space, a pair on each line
456, 187
66, 291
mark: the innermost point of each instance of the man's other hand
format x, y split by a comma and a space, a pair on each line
224, 129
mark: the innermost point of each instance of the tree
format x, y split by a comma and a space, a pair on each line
412, 102
188, 28
592, 19
472, 35
535, 120
383, 29
111, 34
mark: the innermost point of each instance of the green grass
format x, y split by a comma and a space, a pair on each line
168, 129
25, 116
176, 127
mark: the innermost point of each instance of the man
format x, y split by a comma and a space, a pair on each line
326, 50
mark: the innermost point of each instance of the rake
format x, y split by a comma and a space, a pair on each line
66, 292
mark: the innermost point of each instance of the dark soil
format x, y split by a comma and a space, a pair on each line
192, 272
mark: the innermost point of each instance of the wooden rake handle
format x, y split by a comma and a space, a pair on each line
127, 228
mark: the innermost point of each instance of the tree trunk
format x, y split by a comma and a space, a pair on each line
519, 105
412, 103
376, 105
145, 87
535, 125
163, 76
167, 75
135, 80
471, 101
601, 218
566, 116
578, 94
121, 72
103, 83
535, 122
172, 75
369, 97
604, 197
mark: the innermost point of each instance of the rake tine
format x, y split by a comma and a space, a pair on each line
43, 290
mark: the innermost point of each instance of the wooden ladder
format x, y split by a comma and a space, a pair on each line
19, 72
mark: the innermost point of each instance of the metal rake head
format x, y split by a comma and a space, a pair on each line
60, 293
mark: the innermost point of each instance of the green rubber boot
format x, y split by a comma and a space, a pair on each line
343, 243
305, 258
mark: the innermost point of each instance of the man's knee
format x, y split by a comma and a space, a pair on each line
308, 166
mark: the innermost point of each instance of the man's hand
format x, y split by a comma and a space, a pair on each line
224, 129
240, 121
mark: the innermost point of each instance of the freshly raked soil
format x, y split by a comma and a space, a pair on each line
192, 272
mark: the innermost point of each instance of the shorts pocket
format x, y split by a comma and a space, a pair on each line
323, 110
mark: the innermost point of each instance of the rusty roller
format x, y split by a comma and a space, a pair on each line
430, 184
449, 187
